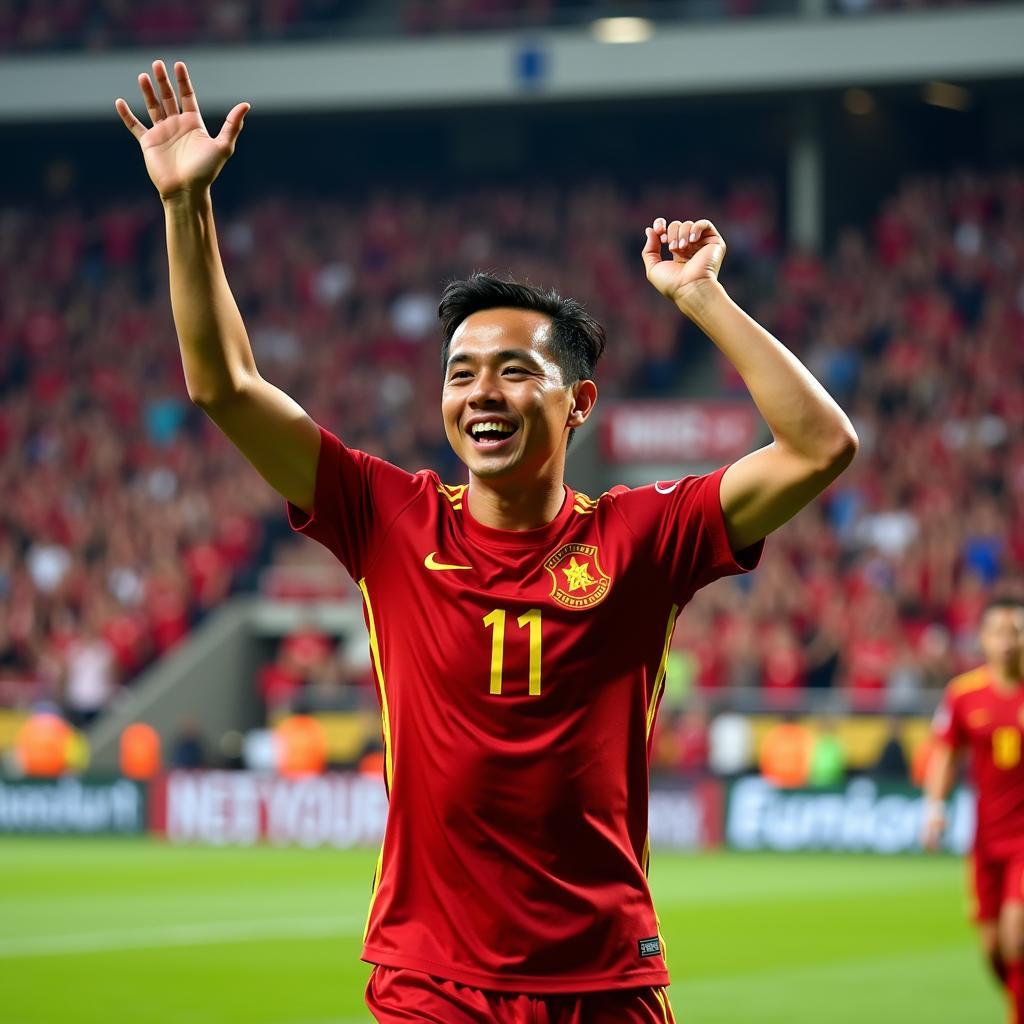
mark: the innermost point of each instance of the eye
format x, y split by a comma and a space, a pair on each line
515, 369
460, 375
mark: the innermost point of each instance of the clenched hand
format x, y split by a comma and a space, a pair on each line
696, 251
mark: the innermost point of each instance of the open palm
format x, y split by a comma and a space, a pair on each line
180, 153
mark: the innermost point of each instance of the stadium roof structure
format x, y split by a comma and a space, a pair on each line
790, 53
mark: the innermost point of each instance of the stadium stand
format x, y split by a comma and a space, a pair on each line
136, 517
41, 25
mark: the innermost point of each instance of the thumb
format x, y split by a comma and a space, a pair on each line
233, 124
652, 250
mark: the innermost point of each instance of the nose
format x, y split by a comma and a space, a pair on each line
486, 393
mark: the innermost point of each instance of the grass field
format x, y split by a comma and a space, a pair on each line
106, 932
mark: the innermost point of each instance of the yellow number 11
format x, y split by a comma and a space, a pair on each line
496, 619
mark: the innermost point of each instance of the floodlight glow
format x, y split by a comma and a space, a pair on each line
859, 102
945, 94
622, 30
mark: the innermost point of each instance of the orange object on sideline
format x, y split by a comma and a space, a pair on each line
786, 755
43, 745
140, 752
301, 746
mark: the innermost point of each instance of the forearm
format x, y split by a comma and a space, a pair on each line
215, 350
941, 774
800, 413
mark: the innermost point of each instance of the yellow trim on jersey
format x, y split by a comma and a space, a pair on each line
662, 998
967, 681
659, 685
385, 716
386, 726
453, 491
661, 936
373, 890
659, 679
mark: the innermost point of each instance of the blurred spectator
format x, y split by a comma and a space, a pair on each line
91, 675
730, 744
828, 757
188, 750
785, 754
43, 746
301, 746
140, 752
233, 749
682, 742
892, 762
371, 762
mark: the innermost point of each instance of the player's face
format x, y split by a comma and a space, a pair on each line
1002, 637
504, 405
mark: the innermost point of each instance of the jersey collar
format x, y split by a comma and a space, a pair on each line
536, 537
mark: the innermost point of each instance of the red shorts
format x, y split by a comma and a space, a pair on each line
996, 883
397, 996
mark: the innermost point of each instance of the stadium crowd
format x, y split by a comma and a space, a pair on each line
917, 327
104, 24
128, 516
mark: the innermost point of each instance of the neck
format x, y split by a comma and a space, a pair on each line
1007, 675
502, 506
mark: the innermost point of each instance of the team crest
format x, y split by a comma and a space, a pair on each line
577, 579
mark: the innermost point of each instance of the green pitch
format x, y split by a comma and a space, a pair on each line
105, 932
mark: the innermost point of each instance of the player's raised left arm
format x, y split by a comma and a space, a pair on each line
814, 440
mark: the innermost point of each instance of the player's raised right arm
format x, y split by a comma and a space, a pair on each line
270, 429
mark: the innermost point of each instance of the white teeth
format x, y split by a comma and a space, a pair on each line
501, 428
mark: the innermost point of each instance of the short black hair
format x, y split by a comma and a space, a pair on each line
577, 339
1003, 603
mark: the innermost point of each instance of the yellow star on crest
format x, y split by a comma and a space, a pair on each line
577, 575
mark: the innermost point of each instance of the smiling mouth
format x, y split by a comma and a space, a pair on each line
489, 436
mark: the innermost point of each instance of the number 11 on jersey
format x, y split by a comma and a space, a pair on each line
496, 620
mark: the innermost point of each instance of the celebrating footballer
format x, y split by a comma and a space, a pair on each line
982, 714
518, 629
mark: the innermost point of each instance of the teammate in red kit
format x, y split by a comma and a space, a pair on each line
983, 714
519, 630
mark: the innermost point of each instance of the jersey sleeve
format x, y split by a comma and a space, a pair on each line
682, 526
948, 723
358, 497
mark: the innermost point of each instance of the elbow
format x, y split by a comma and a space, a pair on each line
837, 450
845, 448
205, 400
209, 399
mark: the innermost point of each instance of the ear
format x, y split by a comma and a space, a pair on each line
584, 400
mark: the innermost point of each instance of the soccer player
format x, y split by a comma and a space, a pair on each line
519, 630
983, 713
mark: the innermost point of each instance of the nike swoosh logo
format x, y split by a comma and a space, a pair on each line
665, 489
431, 563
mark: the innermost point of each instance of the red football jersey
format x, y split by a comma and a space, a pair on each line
988, 722
519, 675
